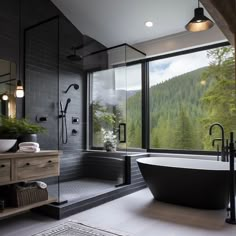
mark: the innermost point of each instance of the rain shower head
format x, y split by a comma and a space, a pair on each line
76, 87
74, 56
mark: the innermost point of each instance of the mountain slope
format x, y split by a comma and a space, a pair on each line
173, 102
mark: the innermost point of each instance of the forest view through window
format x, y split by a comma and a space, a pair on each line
189, 92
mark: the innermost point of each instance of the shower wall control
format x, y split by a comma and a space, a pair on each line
42, 118
74, 132
75, 120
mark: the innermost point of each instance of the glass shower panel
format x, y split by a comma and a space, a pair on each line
41, 86
108, 105
107, 99
113, 91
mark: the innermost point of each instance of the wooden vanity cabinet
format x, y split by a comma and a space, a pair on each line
5, 171
18, 167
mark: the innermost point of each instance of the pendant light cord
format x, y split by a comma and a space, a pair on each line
19, 38
198, 3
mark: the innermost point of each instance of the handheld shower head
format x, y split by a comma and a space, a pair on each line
76, 87
61, 106
67, 103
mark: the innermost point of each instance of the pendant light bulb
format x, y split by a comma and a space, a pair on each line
19, 89
5, 97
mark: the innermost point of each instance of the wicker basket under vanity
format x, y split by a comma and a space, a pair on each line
26, 195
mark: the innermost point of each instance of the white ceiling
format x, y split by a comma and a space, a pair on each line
114, 22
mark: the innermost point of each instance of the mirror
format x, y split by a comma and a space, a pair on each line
7, 88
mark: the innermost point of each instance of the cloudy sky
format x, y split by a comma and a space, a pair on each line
107, 82
165, 69
160, 70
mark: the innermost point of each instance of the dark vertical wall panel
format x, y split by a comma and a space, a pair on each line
71, 72
35, 11
41, 80
9, 33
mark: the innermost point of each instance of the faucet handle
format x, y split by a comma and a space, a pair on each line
214, 140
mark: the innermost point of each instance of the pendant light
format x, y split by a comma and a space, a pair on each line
199, 22
5, 97
19, 86
19, 89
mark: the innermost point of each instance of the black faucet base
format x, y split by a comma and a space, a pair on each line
231, 221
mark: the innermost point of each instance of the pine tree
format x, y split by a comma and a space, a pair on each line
183, 132
220, 99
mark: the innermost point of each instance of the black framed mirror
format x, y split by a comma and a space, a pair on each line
7, 88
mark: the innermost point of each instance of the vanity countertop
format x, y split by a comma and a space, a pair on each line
12, 155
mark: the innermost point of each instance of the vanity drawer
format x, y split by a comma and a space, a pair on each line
35, 168
5, 171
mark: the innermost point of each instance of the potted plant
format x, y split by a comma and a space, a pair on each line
20, 129
110, 140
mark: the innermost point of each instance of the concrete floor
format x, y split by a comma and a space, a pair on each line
136, 214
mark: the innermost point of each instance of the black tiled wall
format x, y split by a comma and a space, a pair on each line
41, 80
44, 86
49, 72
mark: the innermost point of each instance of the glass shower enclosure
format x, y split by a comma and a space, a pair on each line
87, 96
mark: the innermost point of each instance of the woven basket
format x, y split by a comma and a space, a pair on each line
27, 195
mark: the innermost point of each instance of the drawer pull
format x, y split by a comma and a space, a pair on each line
27, 164
49, 161
2, 166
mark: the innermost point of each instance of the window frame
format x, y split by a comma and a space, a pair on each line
145, 102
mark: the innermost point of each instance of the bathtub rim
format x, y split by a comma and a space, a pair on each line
185, 163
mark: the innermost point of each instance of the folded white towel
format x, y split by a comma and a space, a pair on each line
29, 149
29, 144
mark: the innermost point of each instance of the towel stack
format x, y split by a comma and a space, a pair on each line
29, 147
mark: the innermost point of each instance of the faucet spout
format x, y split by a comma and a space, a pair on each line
220, 126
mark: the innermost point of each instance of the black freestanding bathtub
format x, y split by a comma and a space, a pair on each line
189, 182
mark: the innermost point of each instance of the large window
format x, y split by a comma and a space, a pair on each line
116, 98
189, 92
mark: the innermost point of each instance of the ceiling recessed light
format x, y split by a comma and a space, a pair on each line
149, 24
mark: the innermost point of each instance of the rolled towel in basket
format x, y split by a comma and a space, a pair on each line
29, 144
41, 184
29, 149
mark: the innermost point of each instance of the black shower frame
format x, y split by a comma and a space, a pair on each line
145, 102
